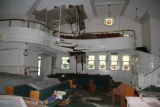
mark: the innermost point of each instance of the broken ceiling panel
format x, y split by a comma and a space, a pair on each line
72, 15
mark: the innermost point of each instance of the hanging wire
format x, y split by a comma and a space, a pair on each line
109, 11
119, 22
46, 18
60, 15
137, 18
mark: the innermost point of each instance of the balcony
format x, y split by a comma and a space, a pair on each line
20, 30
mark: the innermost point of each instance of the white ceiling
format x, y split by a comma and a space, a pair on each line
116, 7
102, 11
17, 7
150, 6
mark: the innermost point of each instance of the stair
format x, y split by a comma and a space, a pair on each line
151, 78
158, 79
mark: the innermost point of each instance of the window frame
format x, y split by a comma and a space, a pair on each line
101, 60
128, 61
117, 65
63, 61
91, 60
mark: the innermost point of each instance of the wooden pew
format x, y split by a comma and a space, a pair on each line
92, 87
123, 90
9, 90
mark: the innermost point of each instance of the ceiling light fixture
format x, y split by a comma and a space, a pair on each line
25, 53
137, 18
109, 21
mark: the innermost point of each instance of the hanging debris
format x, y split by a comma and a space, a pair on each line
72, 15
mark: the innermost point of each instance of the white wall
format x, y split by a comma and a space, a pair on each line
13, 61
151, 33
155, 36
31, 61
146, 32
46, 66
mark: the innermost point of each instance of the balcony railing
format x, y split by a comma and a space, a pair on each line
43, 27
27, 24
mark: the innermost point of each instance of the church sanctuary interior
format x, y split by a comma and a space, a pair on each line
79, 53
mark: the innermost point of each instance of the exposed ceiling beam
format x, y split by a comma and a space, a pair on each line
111, 3
93, 7
13, 16
124, 8
144, 17
33, 7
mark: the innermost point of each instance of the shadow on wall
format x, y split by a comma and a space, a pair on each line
143, 49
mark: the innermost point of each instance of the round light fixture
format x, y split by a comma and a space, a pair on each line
109, 21
25, 53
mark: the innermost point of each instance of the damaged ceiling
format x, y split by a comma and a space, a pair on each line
71, 15
75, 12
93, 8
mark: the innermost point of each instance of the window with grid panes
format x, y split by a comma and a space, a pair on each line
102, 62
114, 62
65, 64
125, 62
91, 62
